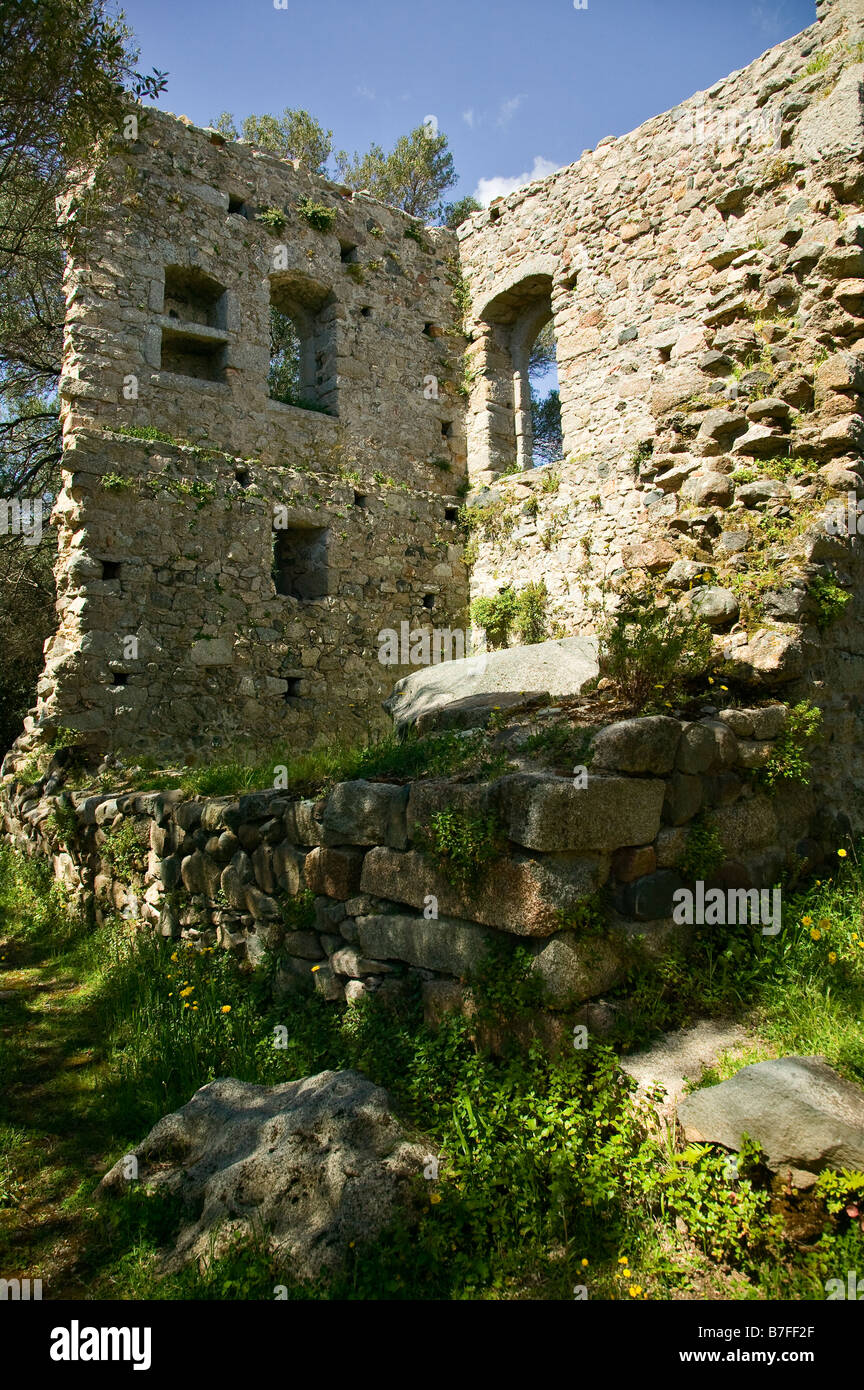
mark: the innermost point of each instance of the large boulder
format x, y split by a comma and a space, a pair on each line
559, 668
803, 1115
319, 1163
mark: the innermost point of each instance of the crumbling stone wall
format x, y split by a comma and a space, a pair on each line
228, 871
226, 575
705, 276
699, 272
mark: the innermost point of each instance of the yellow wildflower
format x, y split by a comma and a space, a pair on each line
841, 854
815, 934
635, 1290
824, 924
832, 957
226, 1009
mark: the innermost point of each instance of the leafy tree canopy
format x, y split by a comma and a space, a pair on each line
293, 135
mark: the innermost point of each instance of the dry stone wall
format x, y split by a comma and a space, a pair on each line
585, 877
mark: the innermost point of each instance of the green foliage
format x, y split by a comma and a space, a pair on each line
817, 64
644, 647
63, 821
830, 600
464, 845
704, 852
413, 176
293, 135
318, 215
115, 482
124, 850
788, 762
311, 773
525, 610
414, 233
495, 616
273, 218
531, 612
298, 913
642, 453
590, 916
504, 987
457, 213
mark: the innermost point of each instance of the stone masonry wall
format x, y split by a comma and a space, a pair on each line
227, 871
705, 275
168, 539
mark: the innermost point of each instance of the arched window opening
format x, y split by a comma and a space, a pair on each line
547, 445
518, 419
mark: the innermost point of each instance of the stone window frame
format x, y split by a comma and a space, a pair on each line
508, 322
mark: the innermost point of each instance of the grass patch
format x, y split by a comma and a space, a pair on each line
312, 773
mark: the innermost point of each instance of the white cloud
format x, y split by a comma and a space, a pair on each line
768, 18
507, 110
468, 117
488, 190
365, 92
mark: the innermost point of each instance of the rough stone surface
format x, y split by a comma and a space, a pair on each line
321, 1163
555, 813
559, 668
638, 745
798, 1109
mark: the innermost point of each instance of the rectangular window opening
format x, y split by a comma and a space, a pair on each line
110, 569
300, 562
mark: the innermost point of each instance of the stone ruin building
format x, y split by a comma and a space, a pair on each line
227, 560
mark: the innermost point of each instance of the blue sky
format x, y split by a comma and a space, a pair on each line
511, 82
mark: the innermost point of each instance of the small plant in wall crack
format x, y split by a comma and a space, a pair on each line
704, 852
318, 215
124, 850
788, 761
465, 846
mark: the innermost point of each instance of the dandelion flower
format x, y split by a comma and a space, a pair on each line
435, 1198
832, 957
623, 1260
807, 921
841, 854
635, 1290
815, 934
584, 1264
184, 992
824, 924
226, 1009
